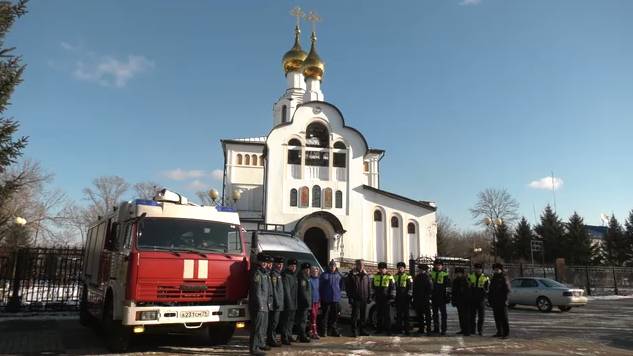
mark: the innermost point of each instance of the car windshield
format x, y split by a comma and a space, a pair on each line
552, 284
301, 257
188, 235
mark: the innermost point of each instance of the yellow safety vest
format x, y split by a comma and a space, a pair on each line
401, 279
439, 276
480, 282
382, 280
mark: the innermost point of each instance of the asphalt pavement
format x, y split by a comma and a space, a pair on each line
604, 327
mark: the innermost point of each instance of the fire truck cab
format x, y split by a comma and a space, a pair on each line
165, 264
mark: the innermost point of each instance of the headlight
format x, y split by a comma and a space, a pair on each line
236, 312
147, 315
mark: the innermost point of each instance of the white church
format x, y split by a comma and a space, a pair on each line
320, 179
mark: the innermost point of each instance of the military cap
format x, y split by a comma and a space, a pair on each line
305, 265
459, 269
423, 266
262, 257
478, 265
497, 265
382, 264
278, 259
292, 261
401, 264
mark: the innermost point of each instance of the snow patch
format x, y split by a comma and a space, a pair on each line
609, 297
361, 352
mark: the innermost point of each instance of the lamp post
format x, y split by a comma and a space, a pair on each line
213, 195
15, 301
493, 224
235, 196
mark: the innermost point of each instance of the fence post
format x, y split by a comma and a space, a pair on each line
615, 281
588, 280
15, 302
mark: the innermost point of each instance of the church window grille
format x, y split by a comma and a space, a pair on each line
317, 135
316, 196
294, 151
304, 198
247, 160
377, 215
340, 145
411, 228
294, 142
327, 198
293, 197
239, 158
339, 159
254, 160
317, 158
395, 222
339, 199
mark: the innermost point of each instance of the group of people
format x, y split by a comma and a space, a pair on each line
283, 299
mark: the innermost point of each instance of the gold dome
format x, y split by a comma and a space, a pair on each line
313, 66
293, 59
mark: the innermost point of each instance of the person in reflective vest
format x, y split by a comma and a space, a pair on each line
402, 281
478, 283
439, 297
422, 289
260, 303
460, 298
382, 285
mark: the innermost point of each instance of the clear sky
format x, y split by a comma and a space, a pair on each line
463, 95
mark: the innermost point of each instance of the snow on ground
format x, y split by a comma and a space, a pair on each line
4, 317
609, 297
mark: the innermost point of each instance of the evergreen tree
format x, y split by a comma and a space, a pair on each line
503, 243
551, 231
628, 237
578, 242
614, 243
522, 240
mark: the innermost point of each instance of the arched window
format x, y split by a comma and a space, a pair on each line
294, 142
339, 158
304, 197
293, 197
340, 145
339, 199
394, 222
284, 114
254, 160
261, 160
380, 237
327, 198
396, 240
294, 151
411, 228
316, 196
377, 215
239, 158
247, 160
317, 135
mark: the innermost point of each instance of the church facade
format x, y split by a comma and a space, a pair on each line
319, 178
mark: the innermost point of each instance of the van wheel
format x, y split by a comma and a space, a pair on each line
564, 308
221, 333
85, 318
544, 304
117, 336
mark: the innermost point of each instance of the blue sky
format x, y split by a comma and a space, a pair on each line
463, 95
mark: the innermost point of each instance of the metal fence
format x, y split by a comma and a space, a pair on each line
40, 279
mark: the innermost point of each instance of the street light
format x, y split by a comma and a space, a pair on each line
493, 225
20, 221
213, 195
236, 195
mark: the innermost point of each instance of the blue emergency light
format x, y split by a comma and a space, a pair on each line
146, 202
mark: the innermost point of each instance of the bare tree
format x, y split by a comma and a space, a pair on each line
146, 190
494, 204
105, 194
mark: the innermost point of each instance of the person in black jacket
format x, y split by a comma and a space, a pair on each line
358, 289
498, 297
479, 284
260, 303
422, 289
289, 280
278, 301
304, 301
460, 298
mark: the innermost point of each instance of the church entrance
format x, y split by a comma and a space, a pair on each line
316, 240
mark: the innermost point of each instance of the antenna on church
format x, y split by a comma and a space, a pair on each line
298, 14
314, 18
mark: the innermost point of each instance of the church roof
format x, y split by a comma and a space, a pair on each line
260, 140
420, 203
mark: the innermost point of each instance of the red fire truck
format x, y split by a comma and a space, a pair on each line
164, 265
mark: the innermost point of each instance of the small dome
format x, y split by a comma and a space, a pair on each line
293, 59
313, 66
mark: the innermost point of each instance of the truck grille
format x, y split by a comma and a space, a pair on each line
178, 292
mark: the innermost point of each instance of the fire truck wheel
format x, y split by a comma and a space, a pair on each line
117, 336
221, 333
85, 318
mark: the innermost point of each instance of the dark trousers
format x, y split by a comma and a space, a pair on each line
402, 315
359, 311
500, 311
463, 311
273, 322
330, 316
287, 323
301, 320
439, 308
423, 312
477, 315
383, 317
259, 325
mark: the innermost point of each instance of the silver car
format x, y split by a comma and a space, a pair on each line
545, 293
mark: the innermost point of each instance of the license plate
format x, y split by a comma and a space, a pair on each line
194, 314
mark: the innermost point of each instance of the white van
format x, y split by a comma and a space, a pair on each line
282, 244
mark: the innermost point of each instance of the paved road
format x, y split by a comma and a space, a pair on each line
601, 328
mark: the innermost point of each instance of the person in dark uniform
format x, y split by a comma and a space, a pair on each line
304, 301
403, 282
260, 303
359, 294
498, 297
278, 301
478, 283
382, 284
460, 298
289, 281
439, 298
422, 289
